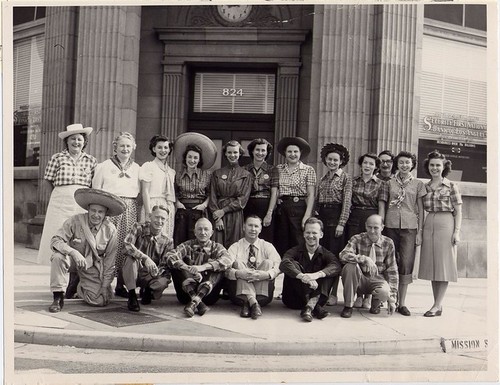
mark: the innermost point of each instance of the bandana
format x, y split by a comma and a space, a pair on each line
402, 189
124, 168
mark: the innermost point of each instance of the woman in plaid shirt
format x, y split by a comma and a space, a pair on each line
441, 229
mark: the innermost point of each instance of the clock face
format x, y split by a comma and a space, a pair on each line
234, 13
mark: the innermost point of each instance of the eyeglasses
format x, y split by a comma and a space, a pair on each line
386, 161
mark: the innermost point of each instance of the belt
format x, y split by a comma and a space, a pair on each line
292, 198
364, 208
330, 205
191, 201
259, 197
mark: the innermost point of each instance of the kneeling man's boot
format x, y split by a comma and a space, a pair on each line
306, 314
58, 303
132, 303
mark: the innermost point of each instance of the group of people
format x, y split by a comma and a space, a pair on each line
236, 228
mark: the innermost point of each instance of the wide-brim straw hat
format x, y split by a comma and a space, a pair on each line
73, 129
91, 196
208, 149
305, 149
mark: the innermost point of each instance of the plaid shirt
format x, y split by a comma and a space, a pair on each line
140, 243
262, 179
193, 253
444, 198
195, 187
62, 169
295, 183
406, 215
336, 188
369, 193
358, 250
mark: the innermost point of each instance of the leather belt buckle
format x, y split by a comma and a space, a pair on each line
296, 199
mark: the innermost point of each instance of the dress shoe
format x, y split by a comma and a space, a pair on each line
190, 308
436, 313
58, 302
202, 308
121, 292
359, 301
375, 306
255, 311
403, 310
332, 300
133, 303
306, 314
147, 295
245, 310
346, 312
319, 312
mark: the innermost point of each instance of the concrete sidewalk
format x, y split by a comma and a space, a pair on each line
279, 331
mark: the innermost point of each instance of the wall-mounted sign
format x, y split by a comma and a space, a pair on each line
453, 127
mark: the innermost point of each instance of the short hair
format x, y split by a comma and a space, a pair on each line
386, 152
377, 216
312, 221
126, 135
372, 156
233, 143
194, 148
159, 138
437, 155
160, 207
251, 146
338, 149
404, 154
85, 140
253, 216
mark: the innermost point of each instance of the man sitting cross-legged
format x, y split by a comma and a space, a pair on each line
256, 265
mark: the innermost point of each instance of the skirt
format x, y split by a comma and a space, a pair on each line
438, 256
168, 229
62, 206
124, 223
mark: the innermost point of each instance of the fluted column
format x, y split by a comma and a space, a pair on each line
287, 93
58, 90
172, 122
398, 46
340, 81
107, 73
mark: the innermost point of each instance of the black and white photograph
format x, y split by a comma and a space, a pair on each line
250, 192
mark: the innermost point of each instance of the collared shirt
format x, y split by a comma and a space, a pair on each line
63, 170
229, 189
140, 243
295, 183
191, 253
196, 186
405, 215
263, 251
384, 178
369, 193
336, 187
107, 178
358, 249
262, 179
444, 198
322, 260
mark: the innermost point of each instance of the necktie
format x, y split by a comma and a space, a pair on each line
88, 258
251, 257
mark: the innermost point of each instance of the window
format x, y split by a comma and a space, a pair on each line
26, 14
465, 15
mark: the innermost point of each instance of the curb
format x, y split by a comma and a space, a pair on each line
243, 346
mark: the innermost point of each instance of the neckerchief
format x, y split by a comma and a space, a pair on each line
168, 182
124, 168
402, 189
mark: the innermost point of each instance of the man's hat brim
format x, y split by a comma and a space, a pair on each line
305, 149
90, 196
208, 149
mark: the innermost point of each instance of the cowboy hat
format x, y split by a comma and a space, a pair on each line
305, 149
91, 196
73, 129
208, 149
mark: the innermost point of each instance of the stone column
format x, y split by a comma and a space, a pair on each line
58, 87
397, 53
107, 72
341, 81
172, 112
287, 93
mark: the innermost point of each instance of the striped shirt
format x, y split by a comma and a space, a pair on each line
295, 183
336, 187
368, 194
63, 170
358, 249
196, 186
140, 243
443, 198
262, 179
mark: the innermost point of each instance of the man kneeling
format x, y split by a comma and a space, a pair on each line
309, 272
370, 268
86, 243
256, 265
197, 268
146, 246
